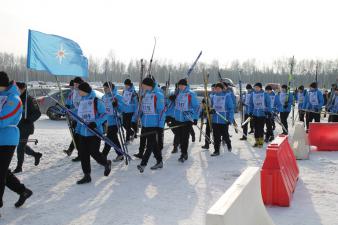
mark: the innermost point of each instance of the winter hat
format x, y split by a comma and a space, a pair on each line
85, 87
301, 87
213, 85
313, 85
248, 87
21, 85
183, 82
219, 85
4, 80
78, 80
128, 82
258, 85
109, 84
284, 86
71, 83
148, 81
268, 88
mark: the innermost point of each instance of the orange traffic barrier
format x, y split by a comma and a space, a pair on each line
324, 136
279, 173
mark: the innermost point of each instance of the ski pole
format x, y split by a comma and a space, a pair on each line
204, 134
35, 141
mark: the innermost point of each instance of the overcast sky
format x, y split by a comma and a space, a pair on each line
223, 29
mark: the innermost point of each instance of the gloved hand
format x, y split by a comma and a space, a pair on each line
212, 111
115, 103
285, 106
92, 125
203, 101
250, 115
172, 98
195, 122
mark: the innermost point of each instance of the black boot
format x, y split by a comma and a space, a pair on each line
141, 168
23, 197
18, 169
76, 159
68, 152
216, 153
157, 166
243, 138
138, 155
86, 179
37, 158
174, 150
107, 168
193, 138
229, 147
206, 146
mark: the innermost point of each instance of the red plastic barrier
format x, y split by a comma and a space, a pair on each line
324, 136
279, 173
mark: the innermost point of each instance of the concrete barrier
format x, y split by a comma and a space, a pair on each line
299, 143
242, 203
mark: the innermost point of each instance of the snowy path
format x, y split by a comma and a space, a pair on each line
177, 194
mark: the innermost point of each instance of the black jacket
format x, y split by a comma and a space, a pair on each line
26, 125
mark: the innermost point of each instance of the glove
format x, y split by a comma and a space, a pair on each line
195, 122
212, 111
172, 98
92, 125
285, 106
203, 101
250, 115
25, 121
114, 103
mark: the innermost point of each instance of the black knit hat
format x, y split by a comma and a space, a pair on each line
21, 85
258, 85
248, 87
128, 82
78, 80
71, 83
148, 81
313, 85
284, 86
268, 88
109, 84
213, 85
183, 82
4, 80
219, 85
301, 87
85, 87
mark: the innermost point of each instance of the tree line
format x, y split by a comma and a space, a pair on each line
248, 71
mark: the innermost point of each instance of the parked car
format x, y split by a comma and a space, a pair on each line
49, 107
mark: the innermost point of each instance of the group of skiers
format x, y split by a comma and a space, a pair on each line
119, 117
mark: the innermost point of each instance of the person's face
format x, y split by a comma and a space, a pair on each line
257, 88
106, 89
126, 86
146, 87
218, 90
213, 89
283, 90
82, 93
181, 87
76, 85
269, 91
22, 90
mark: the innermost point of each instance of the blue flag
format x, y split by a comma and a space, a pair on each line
56, 55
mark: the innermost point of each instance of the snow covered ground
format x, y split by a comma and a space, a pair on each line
178, 194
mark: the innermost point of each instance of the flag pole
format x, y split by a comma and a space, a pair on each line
27, 71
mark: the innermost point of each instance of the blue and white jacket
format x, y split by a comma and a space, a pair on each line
130, 100
10, 115
112, 112
314, 100
186, 105
260, 104
223, 104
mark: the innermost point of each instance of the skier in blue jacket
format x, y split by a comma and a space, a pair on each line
333, 107
72, 103
300, 100
313, 104
285, 103
10, 115
186, 114
114, 106
152, 118
130, 101
92, 111
259, 109
222, 116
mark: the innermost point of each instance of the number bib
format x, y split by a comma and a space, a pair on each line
258, 101
219, 103
282, 98
313, 98
86, 110
148, 104
182, 102
108, 103
3, 100
272, 99
127, 97
300, 98
76, 99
